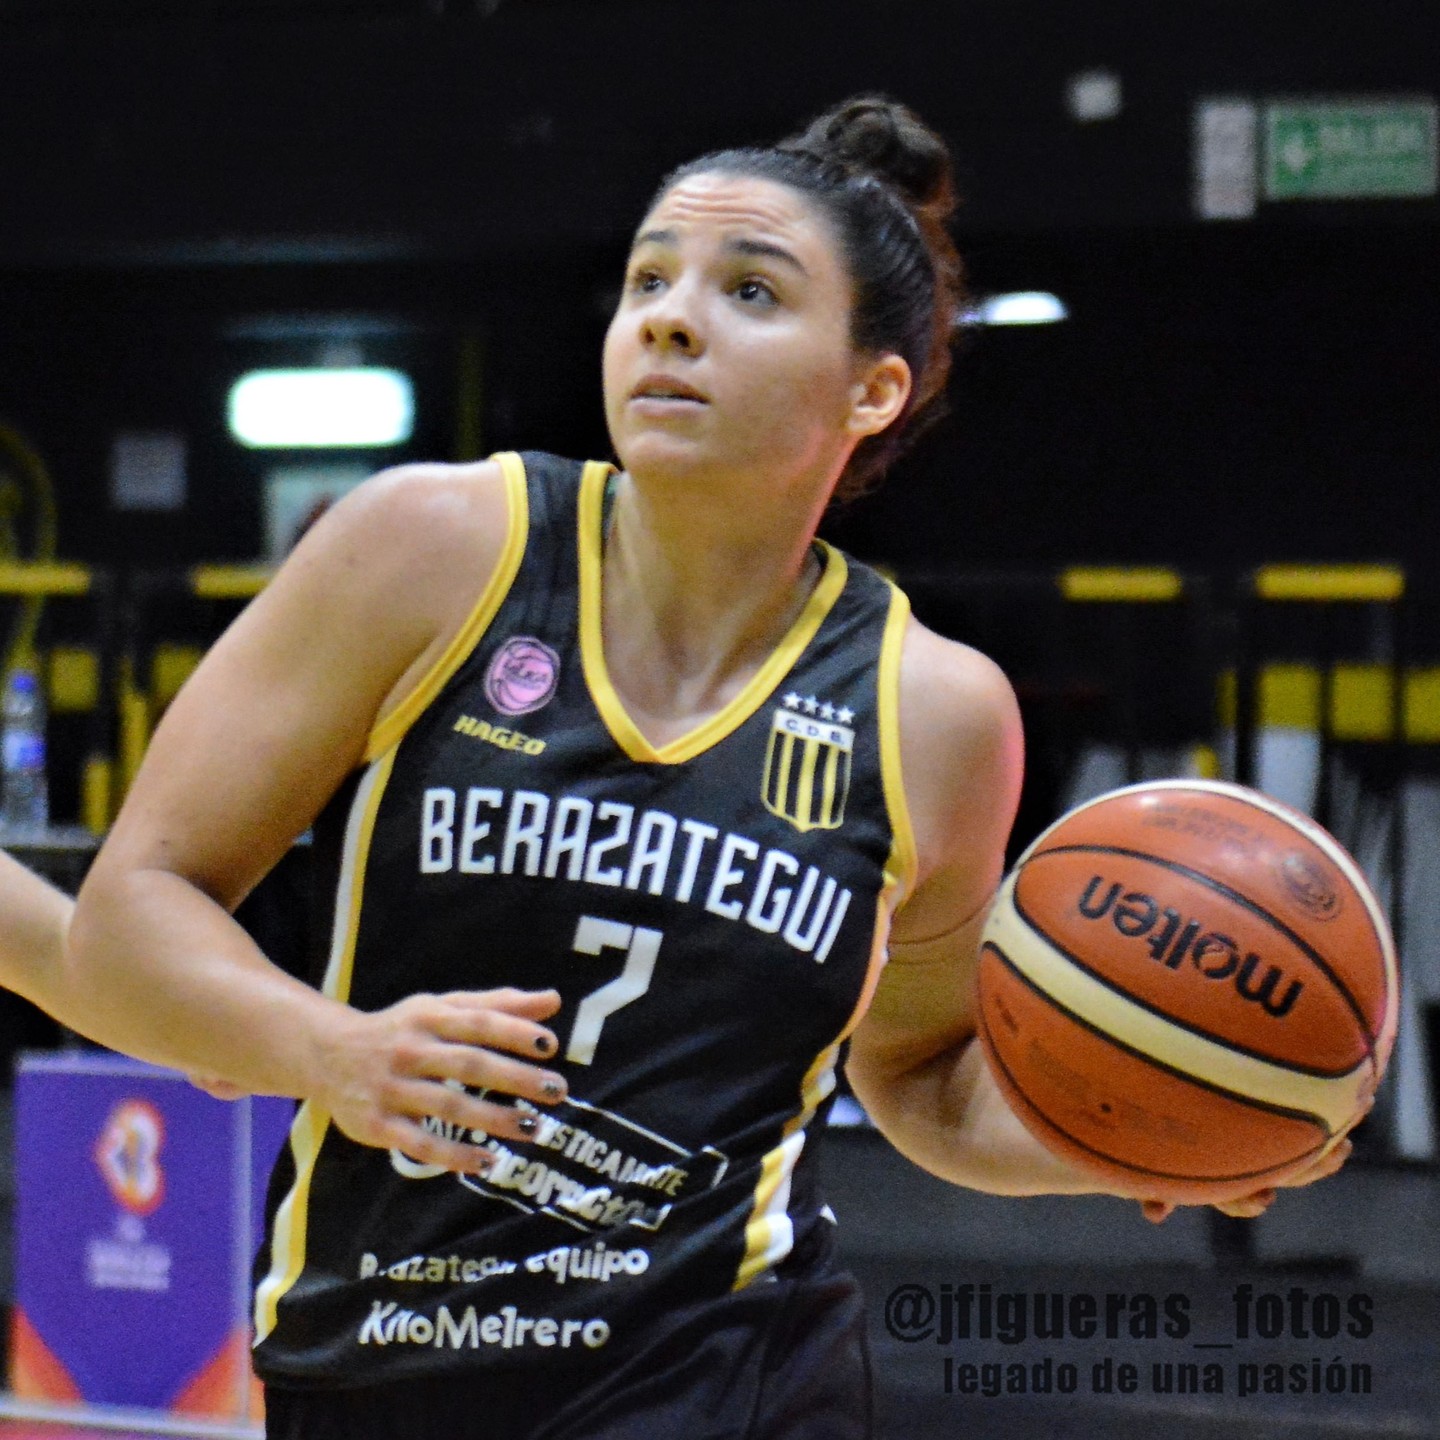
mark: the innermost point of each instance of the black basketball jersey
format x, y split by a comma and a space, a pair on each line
713, 912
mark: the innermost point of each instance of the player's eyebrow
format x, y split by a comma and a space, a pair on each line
767, 249
739, 246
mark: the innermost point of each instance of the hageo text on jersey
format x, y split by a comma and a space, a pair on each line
607, 843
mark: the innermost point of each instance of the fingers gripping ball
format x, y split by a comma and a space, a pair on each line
1187, 987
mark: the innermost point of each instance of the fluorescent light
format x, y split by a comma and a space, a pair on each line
335, 407
1094, 95
1020, 307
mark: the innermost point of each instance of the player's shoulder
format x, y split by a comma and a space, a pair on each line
406, 551
456, 505
952, 693
427, 498
961, 744
411, 519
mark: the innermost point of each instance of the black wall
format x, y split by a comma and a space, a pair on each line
232, 129
178, 183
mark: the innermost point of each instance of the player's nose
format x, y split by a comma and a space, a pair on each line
672, 323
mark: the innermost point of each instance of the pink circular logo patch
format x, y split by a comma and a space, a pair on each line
523, 675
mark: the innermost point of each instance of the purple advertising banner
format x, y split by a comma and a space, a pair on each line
138, 1203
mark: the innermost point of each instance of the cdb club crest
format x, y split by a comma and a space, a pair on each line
807, 764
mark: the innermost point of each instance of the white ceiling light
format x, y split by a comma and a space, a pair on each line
330, 407
1020, 307
1093, 95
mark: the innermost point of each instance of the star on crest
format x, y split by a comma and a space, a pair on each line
811, 705
845, 715
792, 701
827, 711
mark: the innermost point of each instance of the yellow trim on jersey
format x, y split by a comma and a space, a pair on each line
307, 1132
287, 1244
903, 863
387, 732
592, 649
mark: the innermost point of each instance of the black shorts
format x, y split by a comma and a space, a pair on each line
781, 1360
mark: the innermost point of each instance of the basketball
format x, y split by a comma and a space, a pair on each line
1188, 987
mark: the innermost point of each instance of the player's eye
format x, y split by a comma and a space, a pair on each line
645, 282
755, 292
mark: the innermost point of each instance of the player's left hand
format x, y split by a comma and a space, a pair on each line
1247, 1207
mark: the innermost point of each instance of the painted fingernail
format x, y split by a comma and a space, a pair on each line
552, 1089
528, 1124
544, 1044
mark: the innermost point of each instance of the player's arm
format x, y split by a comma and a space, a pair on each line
271, 723
914, 1061
34, 916
34, 919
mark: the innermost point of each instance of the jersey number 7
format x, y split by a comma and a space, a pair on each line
641, 946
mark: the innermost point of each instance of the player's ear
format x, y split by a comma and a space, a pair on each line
878, 394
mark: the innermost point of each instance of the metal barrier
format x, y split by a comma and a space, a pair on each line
1341, 635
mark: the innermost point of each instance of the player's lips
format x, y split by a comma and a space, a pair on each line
666, 390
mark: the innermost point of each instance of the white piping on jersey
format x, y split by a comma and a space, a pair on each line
770, 1232
773, 1226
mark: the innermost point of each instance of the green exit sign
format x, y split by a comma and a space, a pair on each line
1350, 150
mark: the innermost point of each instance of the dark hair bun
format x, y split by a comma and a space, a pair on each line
881, 137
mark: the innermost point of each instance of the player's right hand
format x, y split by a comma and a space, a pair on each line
1250, 1207
383, 1073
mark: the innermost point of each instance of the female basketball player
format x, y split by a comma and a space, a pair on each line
622, 784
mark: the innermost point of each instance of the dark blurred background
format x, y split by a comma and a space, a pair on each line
189, 191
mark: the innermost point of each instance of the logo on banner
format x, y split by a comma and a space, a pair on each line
807, 763
128, 1155
523, 675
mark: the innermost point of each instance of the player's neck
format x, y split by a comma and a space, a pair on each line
697, 592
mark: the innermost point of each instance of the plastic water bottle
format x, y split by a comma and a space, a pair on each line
24, 796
